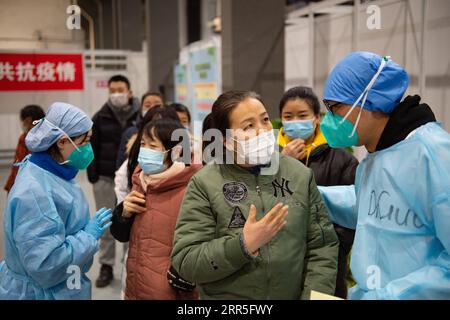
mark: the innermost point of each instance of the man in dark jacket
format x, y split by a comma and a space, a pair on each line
116, 115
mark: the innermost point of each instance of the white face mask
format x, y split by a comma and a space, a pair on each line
257, 150
119, 99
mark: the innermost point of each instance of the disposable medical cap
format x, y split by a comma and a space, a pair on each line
351, 76
68, 118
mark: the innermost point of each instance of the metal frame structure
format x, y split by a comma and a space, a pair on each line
340, 6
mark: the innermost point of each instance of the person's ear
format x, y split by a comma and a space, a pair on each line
62, 142
130, 93
317, 119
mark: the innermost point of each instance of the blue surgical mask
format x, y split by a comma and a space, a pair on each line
151, 161
302, 129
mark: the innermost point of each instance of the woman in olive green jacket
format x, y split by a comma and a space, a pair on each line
255, 228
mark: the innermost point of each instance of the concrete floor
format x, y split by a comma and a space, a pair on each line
112, 292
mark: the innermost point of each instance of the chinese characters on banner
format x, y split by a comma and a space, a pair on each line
35, 71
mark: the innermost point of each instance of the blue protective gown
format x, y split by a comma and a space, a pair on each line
401, 213
45, 245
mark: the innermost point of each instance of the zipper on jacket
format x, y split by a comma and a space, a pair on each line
258, 191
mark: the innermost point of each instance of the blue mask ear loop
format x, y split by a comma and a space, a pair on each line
364, 96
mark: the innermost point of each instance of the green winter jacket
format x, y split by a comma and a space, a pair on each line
208, 248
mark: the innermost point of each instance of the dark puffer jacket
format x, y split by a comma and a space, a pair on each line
106, 134
333, 167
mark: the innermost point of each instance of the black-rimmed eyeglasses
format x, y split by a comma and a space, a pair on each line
330, 106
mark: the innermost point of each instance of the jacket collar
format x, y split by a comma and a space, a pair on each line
172, 178
409, 115
46, 162
108, 111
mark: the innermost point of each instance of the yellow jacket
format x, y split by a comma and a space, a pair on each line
319, 140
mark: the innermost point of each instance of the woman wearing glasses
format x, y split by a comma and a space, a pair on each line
50, 239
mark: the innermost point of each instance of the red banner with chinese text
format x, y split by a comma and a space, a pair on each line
36, 71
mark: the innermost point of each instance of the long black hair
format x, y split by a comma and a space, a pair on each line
153, 114
206, 125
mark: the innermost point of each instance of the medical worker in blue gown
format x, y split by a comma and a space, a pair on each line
400, 204
49, 238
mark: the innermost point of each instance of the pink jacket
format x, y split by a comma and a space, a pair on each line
152, 234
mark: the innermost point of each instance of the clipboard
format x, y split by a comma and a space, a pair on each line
315, 295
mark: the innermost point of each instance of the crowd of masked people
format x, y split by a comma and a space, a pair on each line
288, 215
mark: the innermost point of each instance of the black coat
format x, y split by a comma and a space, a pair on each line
106, 134
333, 167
